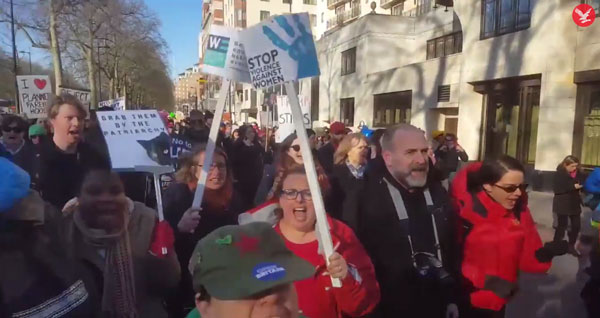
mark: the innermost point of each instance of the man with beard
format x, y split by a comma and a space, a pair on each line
406, 226
118, 245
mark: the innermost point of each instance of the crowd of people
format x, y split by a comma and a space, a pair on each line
416, 233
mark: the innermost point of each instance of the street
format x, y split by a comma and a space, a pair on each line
555, 294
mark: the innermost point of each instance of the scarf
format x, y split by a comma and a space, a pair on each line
118, 296
357, 172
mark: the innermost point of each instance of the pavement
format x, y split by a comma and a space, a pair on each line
555, 294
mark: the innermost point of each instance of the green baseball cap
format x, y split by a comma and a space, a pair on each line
238, 261
37, 130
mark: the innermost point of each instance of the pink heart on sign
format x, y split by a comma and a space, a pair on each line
40, 83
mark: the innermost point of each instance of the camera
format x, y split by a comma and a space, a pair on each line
429, 266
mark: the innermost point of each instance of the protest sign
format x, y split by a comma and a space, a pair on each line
280, 49
179, 145
284, 116
82, 95
135, 138
115, 104
34, 92
225, 55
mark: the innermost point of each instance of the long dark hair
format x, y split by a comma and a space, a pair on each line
491, 171
243, 131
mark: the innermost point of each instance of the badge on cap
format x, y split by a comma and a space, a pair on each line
224, 241
268, 272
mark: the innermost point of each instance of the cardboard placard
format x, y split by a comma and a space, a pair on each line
82, 95
225, 55
34, 93
135, 138
115, 104
280, 49
285, 120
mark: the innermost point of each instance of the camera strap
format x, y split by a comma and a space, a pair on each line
403, 215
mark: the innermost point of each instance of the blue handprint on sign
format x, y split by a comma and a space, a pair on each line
302, 48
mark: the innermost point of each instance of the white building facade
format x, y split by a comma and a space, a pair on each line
514, 77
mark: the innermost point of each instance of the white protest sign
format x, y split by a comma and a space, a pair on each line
135, 138
280, 49
34, 92
285, 120
82, 95
225, 55
115, 104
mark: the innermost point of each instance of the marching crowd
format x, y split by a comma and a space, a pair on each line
416, 233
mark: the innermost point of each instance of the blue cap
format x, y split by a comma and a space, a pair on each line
14, 184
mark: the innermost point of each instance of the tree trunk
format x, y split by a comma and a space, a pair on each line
89, 58
55, 48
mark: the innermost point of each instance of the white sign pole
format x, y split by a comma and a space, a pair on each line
311, 174
212, 142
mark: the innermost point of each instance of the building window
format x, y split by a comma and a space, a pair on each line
287, 1
322, 17
392, 108
347, 111
504, 16
444, 93
594, 3
445, 45
313, 20
264, 15
398, 9
349, 61
311, 2
246, 95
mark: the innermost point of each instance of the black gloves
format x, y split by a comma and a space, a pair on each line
551, 249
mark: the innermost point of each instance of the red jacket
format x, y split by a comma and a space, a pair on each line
359, 294
497, 245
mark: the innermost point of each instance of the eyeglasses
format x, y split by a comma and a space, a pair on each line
296, 148
292, 194
218, 165
16, 130
513, 188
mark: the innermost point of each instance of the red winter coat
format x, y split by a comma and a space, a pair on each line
359, 294
497, 245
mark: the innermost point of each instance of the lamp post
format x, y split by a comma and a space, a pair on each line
14, 47
28, 53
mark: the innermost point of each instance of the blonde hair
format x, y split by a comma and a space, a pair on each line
350, 141
65, 99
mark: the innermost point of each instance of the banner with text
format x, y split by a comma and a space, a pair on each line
280, 49
225, 55
284, 116
34, 92
82, 95
115, 104
135, 138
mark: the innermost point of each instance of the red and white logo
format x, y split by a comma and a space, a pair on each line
584, 15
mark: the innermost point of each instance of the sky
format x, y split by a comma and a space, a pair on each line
181, 21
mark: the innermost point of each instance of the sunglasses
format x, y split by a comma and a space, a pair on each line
296, 148
17, 130
513, 188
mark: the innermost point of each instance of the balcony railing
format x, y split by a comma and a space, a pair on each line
343, 18
386, 4
332, 4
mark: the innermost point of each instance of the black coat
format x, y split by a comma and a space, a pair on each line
325, 155
345, 191
176, 200
567, 199
385, 239
35, 267
61, 174
247, 163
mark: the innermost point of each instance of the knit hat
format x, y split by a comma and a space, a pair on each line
238, 261
14, 184
437, 133
36, 130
